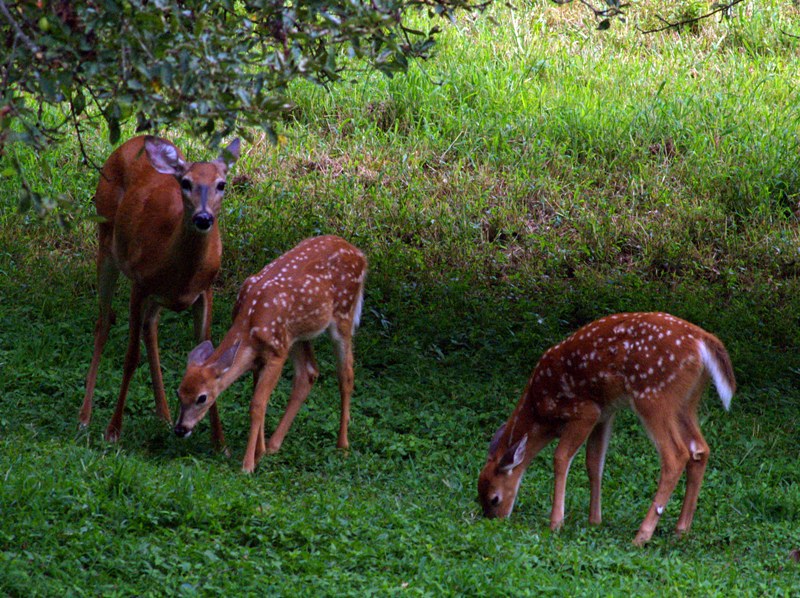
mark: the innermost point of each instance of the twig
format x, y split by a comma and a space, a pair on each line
677, 24
76, 124
611, 11
17, 29
7, 69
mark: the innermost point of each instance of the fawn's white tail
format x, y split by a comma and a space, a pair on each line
721, 371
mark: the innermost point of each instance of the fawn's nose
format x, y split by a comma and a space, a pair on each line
203, 221
181, 431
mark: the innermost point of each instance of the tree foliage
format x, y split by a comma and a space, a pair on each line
215, 66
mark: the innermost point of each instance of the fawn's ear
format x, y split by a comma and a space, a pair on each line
200, 353
225, 361
513, 456
164, 156
496, 440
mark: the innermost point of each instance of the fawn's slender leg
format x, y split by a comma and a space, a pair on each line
596, 448
573, 436
267, 379
696, 465
695, 470
305, 374
674, 457
343, 343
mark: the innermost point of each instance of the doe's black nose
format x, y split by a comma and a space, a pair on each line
180, 431
203, 221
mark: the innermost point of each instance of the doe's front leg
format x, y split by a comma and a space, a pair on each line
201, 315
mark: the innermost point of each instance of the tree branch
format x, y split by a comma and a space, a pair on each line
675, 25
614, 9
17, 29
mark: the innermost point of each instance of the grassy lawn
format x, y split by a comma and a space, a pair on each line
532, 176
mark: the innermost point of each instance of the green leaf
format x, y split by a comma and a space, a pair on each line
48, 87
604, 24
114, 132
78, 102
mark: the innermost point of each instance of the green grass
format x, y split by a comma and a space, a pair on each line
532, 176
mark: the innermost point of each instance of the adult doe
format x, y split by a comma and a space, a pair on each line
159, 228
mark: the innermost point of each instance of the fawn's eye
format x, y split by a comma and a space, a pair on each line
186, 184
495, 500
221, 186
201, 399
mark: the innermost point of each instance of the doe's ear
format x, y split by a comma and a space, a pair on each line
514, 455
200, 353
164, 156
230, 154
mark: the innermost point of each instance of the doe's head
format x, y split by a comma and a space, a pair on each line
202, 183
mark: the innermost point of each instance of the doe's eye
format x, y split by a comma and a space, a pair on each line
186, 184
221, 186
201, 399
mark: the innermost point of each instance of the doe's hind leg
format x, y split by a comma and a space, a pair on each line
107, 275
